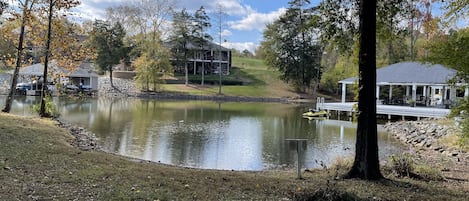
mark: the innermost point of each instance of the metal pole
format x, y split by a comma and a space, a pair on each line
298, 152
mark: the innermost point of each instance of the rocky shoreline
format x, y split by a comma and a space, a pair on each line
83, 139
424, 134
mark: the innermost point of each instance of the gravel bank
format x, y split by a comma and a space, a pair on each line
424, 135
84, 139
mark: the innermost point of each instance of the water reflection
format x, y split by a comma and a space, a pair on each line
202, 134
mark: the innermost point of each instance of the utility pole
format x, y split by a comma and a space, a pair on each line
220, 71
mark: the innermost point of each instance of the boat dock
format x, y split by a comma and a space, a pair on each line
389, 110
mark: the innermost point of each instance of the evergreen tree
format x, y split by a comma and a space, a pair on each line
201, 37
108, 42
181, 38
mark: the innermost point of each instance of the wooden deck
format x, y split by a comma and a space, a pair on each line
404, 111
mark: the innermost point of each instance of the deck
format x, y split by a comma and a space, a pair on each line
404, 111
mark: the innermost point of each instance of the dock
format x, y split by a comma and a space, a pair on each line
389, 110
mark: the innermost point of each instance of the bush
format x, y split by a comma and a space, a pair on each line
428, 173
402, 164
51, 110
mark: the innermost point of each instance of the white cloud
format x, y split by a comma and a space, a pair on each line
226, 33
256, 21
230, 7
241, 46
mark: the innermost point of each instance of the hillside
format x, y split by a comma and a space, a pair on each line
259, 81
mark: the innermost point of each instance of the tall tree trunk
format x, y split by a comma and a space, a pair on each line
186, 70
366, 164
42, 111
19, 58
110, 76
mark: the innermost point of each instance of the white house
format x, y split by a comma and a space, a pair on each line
426, 84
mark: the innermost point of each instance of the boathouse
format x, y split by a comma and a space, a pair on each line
81, 75
409, 83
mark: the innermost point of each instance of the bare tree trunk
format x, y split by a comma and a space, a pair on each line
110, 76
19, 58
366, 164
186, 70
42, 111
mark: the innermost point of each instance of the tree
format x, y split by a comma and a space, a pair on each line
366, 163
452, 50
247, 53
26, 7
181, 39
201, 37
142, 16
3, 6
291, 45
109, 46
59, 4
152, 66
456, 8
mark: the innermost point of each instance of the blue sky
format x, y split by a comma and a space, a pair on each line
245, 20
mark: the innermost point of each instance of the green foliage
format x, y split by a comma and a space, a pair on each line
180, 37
50, 109
345, 67
451, 50
108, 42
456, 9
152, 66
291, 46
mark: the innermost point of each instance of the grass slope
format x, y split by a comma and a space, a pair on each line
37, 163
262, 82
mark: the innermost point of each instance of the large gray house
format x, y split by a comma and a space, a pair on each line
210, 57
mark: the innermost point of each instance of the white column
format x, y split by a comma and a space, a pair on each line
414, 91
344, 88
390, 93
425, 91
195, 67
432, 100
466, 91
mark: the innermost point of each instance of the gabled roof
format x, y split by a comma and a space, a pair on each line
38, 70
410, 72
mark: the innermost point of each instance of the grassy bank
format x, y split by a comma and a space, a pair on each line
37, 163
259, 81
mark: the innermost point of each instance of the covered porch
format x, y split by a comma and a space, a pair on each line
414, 84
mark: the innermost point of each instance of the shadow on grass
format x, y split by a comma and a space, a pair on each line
384, 189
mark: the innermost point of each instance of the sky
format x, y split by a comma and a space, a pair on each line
244, 21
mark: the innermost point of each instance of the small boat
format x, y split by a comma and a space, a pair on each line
315, 113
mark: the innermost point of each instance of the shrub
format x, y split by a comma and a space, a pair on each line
402, 164
51, 110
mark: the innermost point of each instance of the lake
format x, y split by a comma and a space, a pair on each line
210, 135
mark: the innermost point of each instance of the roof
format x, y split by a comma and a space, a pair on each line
410, 72
38, 70
209, 46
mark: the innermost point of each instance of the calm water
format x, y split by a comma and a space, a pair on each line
204, 134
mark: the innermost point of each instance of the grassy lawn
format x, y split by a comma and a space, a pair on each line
259, 79
37, 163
